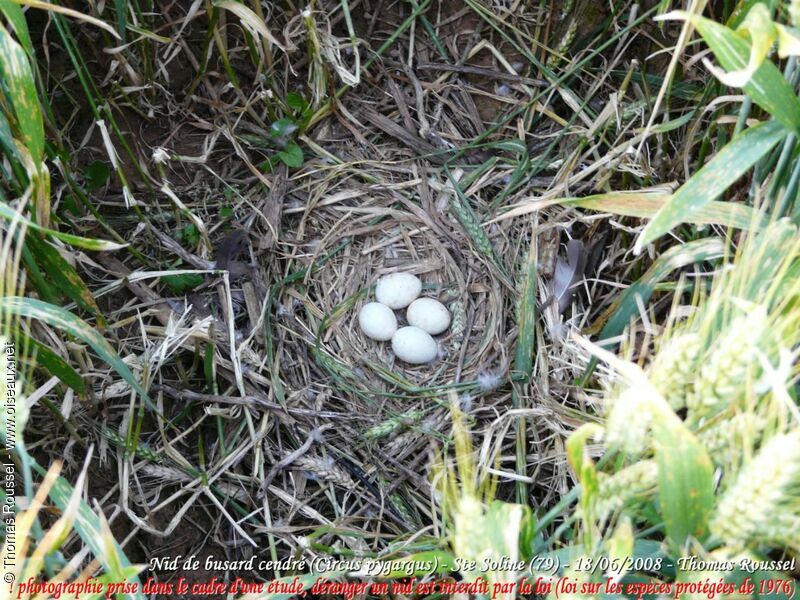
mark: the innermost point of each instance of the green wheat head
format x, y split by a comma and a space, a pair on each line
729, 368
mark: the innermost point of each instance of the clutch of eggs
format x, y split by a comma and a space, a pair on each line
426, 317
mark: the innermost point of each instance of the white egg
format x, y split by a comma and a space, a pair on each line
398, 290
429, 315
377, 321
413, 345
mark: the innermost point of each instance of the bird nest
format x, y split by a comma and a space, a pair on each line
380, 236
382, 412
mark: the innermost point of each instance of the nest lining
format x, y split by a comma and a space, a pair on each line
388, 242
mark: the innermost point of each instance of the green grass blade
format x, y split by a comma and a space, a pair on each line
685, 481
584, 468
526, 321
93, 532
13, 12
6, 212
527, 310
19, 83
767, 87
121, 8
626, 306
733, 161
44, 289
69, 323
43, 356
63, 275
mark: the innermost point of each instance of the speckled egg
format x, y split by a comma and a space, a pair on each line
414, 346
429, 315
377, 321
398, 290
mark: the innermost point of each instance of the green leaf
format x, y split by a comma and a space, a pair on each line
730, 163
522, 167
767, 87
18, 79
63, 275
121, 8
740, 12
13, 12
150, 35
8, 213
268, 166
673, 124
97, 174
39, 282
292, 155
646, 205
43, 356
296, 102
586, 472
190, 234
769, 252
70, 204
530, 538
64, 320
527, 314
180, 284
7, 138
685, 480
626, 305
283, 128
